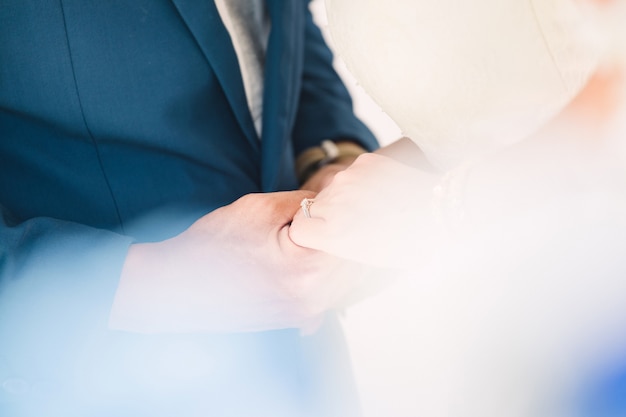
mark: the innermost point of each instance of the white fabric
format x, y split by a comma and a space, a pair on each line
248, 24
462, 78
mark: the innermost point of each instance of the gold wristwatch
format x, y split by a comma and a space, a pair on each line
312, 159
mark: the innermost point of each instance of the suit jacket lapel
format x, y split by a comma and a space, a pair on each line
203, 20
283, 66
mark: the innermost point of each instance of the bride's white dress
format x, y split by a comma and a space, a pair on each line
520, 317
465, 77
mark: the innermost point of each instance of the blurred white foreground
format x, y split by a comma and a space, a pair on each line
523, 311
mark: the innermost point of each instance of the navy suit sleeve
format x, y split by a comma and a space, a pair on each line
325, 107
57, 284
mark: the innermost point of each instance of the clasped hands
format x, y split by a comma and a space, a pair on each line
235, 269
258, 264
378, 211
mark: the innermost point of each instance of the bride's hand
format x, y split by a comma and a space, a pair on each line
325, 175
378, 212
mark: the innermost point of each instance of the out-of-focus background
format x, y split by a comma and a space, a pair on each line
412, 350
383, 127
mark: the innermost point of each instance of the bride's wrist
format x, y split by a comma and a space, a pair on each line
404, 150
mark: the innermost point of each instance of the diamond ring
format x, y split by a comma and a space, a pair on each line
306, 205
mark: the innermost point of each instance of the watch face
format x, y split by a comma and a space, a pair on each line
330, 149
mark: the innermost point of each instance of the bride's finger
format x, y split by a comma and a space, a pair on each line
308, 232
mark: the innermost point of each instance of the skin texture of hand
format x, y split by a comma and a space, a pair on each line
406, 151
376, 212
325, 174
233, 270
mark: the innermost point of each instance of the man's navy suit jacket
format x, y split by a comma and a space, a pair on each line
124, 121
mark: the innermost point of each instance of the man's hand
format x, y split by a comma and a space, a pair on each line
325, 174
235, 269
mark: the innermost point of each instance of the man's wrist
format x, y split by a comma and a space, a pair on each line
313, 159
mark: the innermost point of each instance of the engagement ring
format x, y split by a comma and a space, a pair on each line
306, 204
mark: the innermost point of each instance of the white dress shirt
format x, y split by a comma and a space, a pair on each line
248, 24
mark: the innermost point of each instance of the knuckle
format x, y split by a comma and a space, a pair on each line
365, 158
341, 177
247, 200
259, 204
